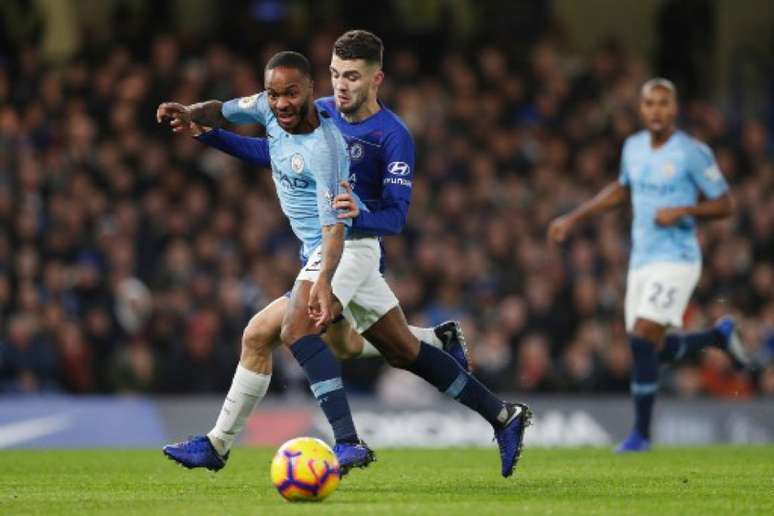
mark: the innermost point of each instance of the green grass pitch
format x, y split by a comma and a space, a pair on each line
709, 480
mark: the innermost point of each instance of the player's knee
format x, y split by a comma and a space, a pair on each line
287, 335
647, 330
258, 339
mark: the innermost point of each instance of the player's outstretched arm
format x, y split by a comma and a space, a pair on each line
612, 196
180, 116
208, 113
718, 208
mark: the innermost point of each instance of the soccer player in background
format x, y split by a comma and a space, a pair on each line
671, 181
382, 156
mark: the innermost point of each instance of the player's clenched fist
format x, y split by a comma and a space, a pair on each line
345, 203
321, 303
560, 228
179, 116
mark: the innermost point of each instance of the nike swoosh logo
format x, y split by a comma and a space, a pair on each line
516, 413
27, 430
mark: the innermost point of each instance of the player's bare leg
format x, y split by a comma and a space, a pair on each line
651, 331
252, 376
261, 337
391, 335
249, 386
347, 343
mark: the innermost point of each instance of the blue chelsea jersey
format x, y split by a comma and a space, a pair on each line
382, 156
673, 175
306, 168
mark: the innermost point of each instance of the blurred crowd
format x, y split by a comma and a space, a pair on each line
131, 259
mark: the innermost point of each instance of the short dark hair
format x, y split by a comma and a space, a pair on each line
290, 59
659, 82
359, 44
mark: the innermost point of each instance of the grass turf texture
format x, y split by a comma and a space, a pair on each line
710, 480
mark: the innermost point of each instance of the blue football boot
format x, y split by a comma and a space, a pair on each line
196, 452
732, 342
511, 436
450, 333
633, 443
353, 455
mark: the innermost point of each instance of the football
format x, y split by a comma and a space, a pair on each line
305, 470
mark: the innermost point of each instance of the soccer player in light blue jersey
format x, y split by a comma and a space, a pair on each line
325, 288
672, 182
309, 159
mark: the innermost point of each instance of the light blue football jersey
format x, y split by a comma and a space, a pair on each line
673, 175
307, 168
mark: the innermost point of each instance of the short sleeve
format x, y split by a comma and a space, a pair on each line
704, 171
247, 110
623, 176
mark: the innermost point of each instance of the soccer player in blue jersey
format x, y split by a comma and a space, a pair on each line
672, 181
360, 289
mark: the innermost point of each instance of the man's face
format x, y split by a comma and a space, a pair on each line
354, 82
289, 93
658, 108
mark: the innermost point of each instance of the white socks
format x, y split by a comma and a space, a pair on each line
426, 335
247, 389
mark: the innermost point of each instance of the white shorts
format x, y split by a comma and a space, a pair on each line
357, 284
660, 292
